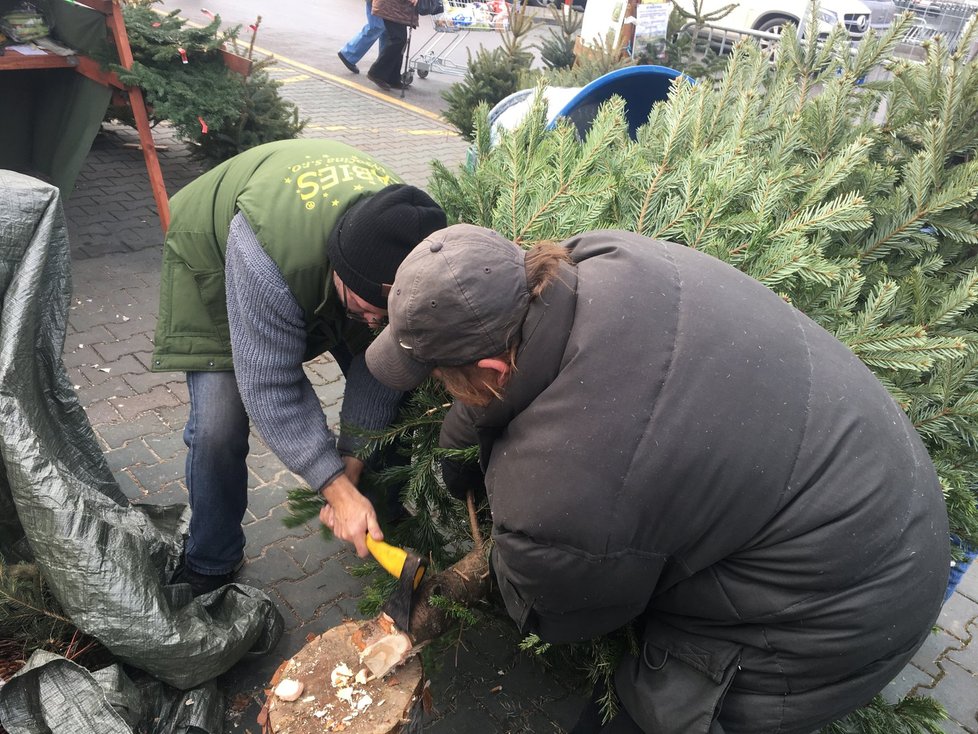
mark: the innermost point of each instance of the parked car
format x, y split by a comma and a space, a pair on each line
882, 13
771, 16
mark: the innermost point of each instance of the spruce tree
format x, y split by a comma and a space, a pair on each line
491, 75
181, 70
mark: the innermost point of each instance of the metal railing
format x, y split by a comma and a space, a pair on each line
947, 18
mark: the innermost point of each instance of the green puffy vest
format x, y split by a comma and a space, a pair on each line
292, 192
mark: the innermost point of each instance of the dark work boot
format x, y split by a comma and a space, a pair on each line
201, 583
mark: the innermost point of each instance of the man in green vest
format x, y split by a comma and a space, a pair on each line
272, 258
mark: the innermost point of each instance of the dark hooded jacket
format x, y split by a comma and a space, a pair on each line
396, 11
680, 447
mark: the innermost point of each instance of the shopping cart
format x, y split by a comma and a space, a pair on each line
451, 28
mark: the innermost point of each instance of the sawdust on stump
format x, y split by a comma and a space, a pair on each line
397, 699
328, 703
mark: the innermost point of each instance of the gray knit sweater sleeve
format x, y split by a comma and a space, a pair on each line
268, 344
368, 405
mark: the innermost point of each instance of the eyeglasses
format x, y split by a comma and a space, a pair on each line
374, 321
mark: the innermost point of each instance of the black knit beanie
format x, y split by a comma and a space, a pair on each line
374, 235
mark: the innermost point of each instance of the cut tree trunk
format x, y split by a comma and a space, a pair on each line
389, 705
392, 704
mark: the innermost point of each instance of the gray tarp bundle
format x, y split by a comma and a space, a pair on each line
105, 560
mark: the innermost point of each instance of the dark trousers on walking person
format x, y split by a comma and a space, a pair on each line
387, 67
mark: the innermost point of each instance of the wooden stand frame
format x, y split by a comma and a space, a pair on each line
90, 69
112, 10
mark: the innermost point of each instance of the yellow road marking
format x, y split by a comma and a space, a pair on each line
348, 128
313, 71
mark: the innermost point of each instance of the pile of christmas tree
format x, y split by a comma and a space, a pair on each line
181, 68
846, 182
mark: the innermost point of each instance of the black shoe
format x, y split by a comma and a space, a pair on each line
349, 65
379, 82
203, 583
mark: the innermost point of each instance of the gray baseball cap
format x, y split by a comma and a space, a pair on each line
458, 297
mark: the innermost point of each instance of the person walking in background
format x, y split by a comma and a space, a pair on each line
357, 46
397, 16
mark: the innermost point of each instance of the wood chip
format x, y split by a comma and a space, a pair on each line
289, 689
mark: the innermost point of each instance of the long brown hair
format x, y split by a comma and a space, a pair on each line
475, 385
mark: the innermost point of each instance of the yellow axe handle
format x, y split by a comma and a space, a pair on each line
391, 558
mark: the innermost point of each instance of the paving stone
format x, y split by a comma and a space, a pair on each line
567, 710
113, 349
957, 690
109, 390
267, 530
956, 613
458, 722
100, 412
313, 550
91, 322
320, 589
968, 586
910, 680
168, 445
132, 454
157, 397
95, 376
953, 727
273, 566
174, 493
525, 673
129, 487
180, 390
270, 470
264, 498
156, 476
933, 649
77, 354
175, 417
967, 657
124, 365
538, 723
330, 397
129, 328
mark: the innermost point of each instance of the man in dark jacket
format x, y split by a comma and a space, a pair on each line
398, 16
665, 441
274, 257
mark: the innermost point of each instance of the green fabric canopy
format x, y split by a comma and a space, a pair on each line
51, 116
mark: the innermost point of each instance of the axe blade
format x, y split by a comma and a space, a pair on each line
399, 606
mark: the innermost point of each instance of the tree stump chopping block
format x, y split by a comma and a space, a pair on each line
328, 703
396, 702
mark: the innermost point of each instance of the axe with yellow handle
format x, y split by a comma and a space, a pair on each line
408, 569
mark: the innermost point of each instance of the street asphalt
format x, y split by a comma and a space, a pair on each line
480, 682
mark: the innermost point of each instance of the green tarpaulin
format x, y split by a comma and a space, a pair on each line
105, 560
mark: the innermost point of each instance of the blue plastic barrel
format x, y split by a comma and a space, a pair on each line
640, 87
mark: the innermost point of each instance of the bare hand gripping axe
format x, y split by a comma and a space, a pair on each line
408, 569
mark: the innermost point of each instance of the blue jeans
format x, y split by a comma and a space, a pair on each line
217, 475
357, 46
216, 436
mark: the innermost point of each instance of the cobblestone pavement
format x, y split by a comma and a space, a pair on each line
480, 682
